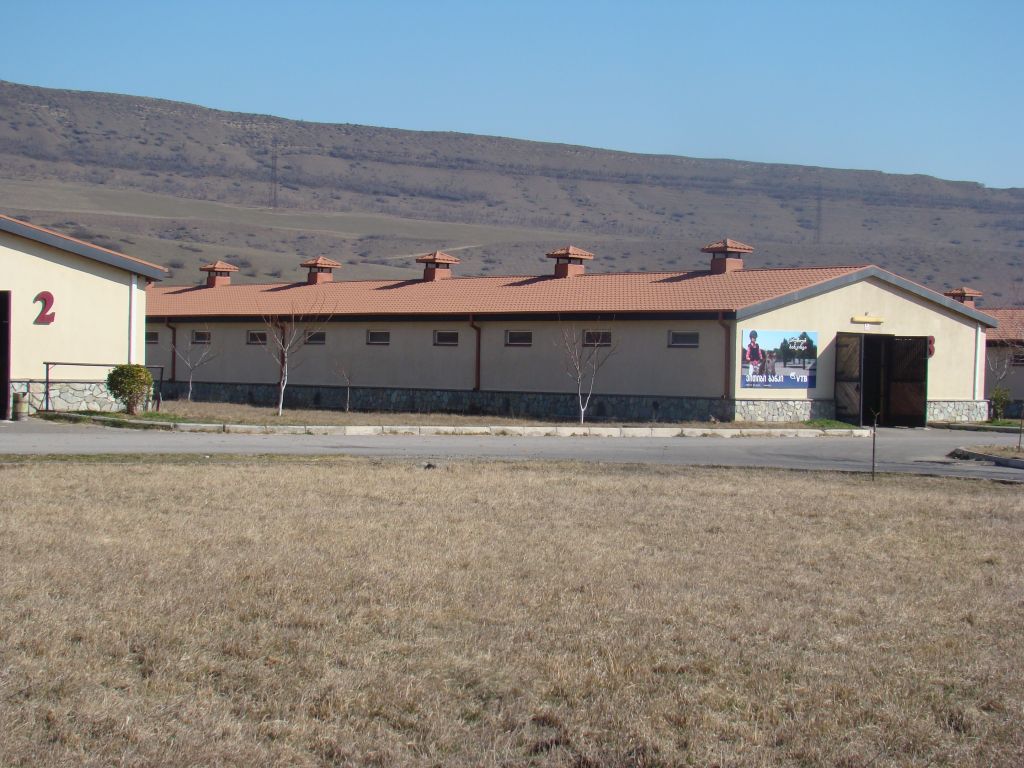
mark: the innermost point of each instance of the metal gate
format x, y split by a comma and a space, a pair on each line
881, 376
849, 379
907, 381
5, 354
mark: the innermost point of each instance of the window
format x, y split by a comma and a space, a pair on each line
152, 337
381, 338
201, 337
446, 338
1017, 358
256, 337
316, 337
518, 338
597, 338
687, 339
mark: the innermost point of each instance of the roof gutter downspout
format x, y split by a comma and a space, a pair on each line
979, 363
728, 355
476, 368
174, 349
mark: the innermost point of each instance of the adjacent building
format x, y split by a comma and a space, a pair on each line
1006, 356
730, 342
69, 310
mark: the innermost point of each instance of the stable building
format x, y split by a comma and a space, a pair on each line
69, 310
730, 342
1006, 356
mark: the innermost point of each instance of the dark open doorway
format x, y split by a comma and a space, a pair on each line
883, 376
5, 354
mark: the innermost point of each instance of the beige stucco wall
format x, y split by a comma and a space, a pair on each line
641, 362
955, 372
410, 360
99, 311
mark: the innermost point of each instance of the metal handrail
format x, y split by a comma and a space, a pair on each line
50, 364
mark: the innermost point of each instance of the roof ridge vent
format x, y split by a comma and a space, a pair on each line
436, 265
569, 260
321, 270
218, 273
726, 255
964, 295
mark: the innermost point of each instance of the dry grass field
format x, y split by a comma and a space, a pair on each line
348, 612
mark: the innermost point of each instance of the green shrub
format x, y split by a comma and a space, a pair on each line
130, 384
1000, 399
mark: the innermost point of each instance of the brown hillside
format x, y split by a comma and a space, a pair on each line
183, 184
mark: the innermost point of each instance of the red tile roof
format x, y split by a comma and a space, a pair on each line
727, 245
218, 266
569, 252
320, 261
437, 257
606, 293
1011, 324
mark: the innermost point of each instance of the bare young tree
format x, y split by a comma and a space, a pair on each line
195, 355
286, 337
584, 354
346, 374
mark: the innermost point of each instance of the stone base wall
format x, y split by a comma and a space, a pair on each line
957, 410
784, 410
66, 395
531, 405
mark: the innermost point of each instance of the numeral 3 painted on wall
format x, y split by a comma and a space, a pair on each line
46, 314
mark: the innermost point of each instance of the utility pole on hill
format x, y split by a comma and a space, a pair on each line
273, 173
817, 222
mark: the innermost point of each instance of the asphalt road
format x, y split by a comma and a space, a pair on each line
917, 451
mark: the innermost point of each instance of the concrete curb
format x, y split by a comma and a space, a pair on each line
537, 430
973, 427
1002, 461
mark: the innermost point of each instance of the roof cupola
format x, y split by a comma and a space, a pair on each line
569, 260
726, 255
436, 265
218, 273
321, 270
964, 295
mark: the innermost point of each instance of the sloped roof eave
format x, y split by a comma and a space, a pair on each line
860, 275
82, 248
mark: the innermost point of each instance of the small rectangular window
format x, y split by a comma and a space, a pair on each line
446, 338
256, 337
687, 339
597, 338
316, 337
1017, 359
518, 338
152, 337
201, 337
382, 338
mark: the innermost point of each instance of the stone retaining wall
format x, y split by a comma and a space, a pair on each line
784, 410
66, 395
957, 410
93, 396
542, 405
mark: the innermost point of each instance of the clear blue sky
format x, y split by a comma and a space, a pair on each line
902, 86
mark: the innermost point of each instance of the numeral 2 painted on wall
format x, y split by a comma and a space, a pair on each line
46, 314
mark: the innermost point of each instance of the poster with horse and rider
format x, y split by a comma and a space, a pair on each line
779, 359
